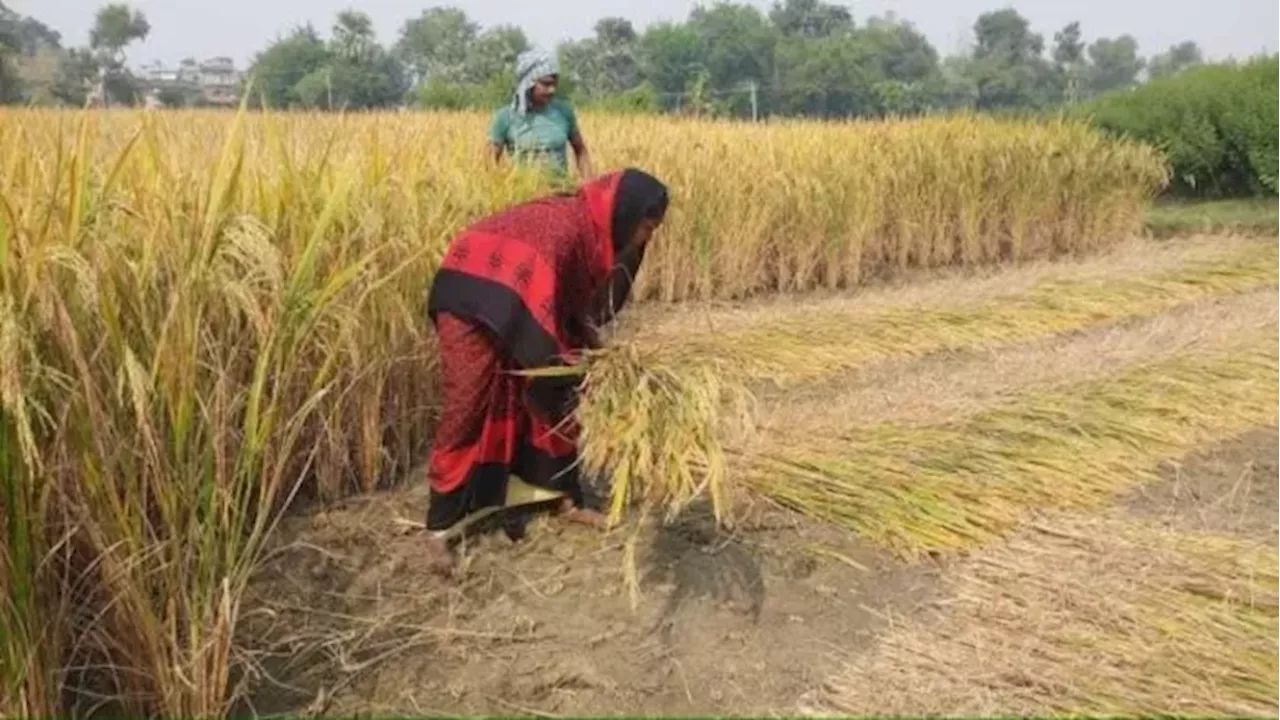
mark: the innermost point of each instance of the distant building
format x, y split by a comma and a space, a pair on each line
157, 73
219, 81
216, 80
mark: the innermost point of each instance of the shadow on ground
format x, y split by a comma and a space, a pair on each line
346, 620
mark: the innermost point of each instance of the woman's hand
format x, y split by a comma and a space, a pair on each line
592, 336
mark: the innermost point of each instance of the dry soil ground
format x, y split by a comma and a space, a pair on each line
785, 614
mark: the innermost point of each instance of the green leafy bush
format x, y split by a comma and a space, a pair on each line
1217, 125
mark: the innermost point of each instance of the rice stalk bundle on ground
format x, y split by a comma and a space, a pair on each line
917, 490
800, 346
1084, 615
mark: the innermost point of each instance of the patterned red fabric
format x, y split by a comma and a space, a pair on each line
554, 253
483, 417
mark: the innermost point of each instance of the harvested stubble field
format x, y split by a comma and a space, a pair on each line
1077, 520
198, 309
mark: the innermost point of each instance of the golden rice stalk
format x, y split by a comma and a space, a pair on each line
1083, 615
655, 428
780, 206
916, 490
801, 346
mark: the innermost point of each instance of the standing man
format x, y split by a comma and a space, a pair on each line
537, 127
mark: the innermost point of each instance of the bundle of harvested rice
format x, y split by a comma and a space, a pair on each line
1082, 614
656, 428
802, 346
655, 423
915, 490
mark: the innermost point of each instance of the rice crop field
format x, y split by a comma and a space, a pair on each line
864, 355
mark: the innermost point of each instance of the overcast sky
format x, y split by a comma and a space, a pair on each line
239, 28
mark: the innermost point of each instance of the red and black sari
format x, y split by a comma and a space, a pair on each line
521, 289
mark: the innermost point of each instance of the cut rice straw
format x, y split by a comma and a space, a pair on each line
655, 427
803, 346
917, 490
660, 421
1083, 614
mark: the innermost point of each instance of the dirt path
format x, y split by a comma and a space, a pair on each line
345, 619
749, 624
1230, 488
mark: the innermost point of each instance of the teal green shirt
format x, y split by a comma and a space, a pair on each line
540, 136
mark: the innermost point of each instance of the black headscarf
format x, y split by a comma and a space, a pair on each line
639, 196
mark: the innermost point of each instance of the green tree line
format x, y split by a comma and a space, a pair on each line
1218, 126
35, 68
800, 58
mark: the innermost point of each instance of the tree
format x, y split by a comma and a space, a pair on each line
25, 35
277, 70
345, 84
437, 43
615, 31
907, 75
493, 55
353, 39
485, 77
902, 53
671, 56
29, 55
1174, 60
954, 87
1007, 67
1068, 60
77, 71
737, 45
10, 46
609, 63
1006, 35
810, 18
1115, 64
827, 76
350, 71
115, 27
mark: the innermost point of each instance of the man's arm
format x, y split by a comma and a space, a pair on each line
582, 155
498, 130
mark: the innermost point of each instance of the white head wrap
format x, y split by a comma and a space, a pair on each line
530, 67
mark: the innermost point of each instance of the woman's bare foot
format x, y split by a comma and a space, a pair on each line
581, 516
439, 556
